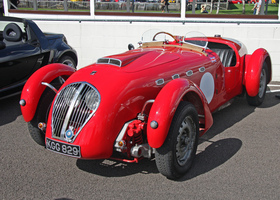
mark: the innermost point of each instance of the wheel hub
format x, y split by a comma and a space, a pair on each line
185, 140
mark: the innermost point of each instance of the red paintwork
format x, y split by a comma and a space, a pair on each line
124, 91
253, 71
235, 1
164, 109
33, 88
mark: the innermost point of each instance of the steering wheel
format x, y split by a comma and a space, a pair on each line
162, 32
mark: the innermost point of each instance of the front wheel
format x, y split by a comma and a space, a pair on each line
259, 98
41, 115
174, 158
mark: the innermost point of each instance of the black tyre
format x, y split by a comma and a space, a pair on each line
41, 115
67, 60
174, 158
259, 98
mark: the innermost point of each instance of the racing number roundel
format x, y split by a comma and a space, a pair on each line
207, 86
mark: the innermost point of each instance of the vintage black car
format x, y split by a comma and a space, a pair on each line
24, 48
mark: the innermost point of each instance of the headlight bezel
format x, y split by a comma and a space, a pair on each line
92, 99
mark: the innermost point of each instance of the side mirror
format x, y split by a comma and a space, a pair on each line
130, 47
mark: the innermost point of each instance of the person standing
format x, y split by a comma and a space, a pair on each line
257, 7
166, 5
162, 3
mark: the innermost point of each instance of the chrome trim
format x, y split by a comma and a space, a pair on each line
71, 112
160, 81
142, 150
22, 102
141, 116
61, 80
110, 61
50, 86
189, 73
175, 76
154, 124
121, 134
202, 69
145, 105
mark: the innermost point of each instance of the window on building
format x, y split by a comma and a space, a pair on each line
51, 5
239, 8
266, 9
138, 6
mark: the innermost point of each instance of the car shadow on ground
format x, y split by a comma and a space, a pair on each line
9, 109
235, 113
214, 155
112, 168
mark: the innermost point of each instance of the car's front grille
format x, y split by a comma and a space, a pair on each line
73, 107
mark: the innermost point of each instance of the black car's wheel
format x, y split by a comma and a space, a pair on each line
67, 60
259, 98
41, 115
175, 156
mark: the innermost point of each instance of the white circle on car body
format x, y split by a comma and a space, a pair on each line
207, 86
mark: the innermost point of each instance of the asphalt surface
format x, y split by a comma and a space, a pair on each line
238, 158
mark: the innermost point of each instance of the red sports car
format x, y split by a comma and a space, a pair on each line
153, 100
235, 1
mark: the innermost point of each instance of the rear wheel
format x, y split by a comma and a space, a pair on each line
259, 98
174, 158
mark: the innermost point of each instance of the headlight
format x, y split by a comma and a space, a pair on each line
92, 99
68, 95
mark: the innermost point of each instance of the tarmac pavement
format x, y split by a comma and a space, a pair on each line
238, 158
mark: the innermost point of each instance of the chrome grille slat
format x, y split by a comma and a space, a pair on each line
61, 115
58, 115
74, 100
80, 118
77, 111
71, 111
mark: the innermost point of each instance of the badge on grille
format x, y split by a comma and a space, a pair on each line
69, 134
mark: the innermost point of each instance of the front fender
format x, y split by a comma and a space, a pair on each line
33, 89
165, 105
253, 70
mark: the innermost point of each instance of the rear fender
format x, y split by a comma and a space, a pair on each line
33, 88
253, 68
165, 105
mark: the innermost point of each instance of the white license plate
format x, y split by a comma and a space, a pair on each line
62, 148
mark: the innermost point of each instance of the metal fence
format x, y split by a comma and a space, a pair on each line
50, 4
99, 5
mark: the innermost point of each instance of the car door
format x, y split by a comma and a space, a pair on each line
19, 58
17, 63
